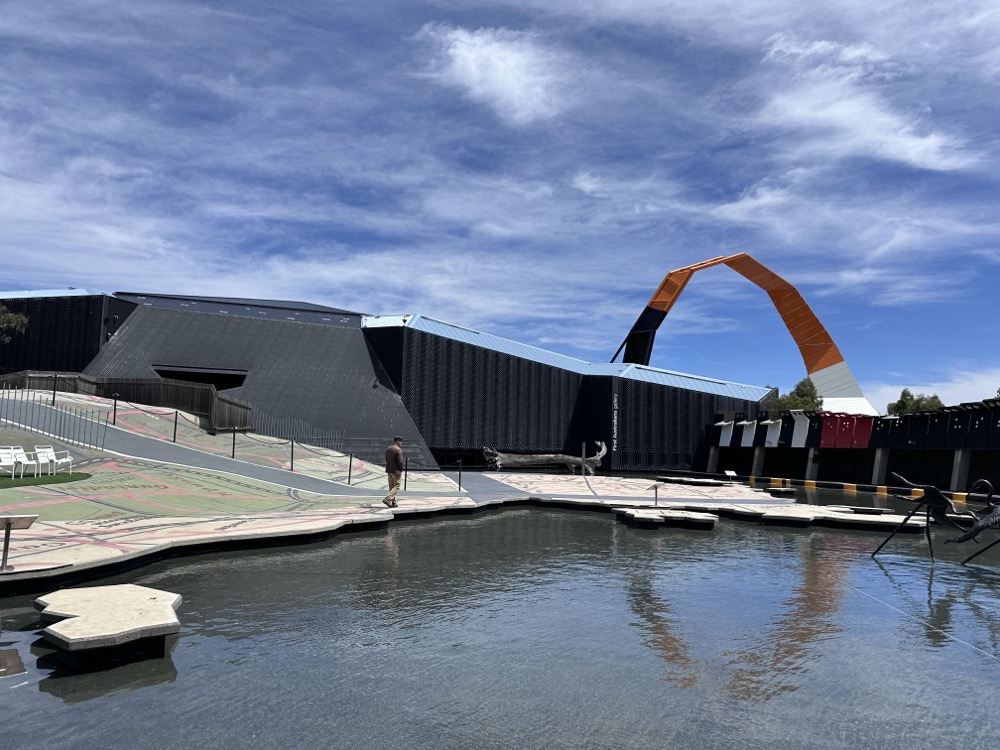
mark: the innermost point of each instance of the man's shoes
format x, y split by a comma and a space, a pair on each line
389, 503
394, 504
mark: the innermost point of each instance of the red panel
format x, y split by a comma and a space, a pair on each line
845, 431
829, 430
862, 431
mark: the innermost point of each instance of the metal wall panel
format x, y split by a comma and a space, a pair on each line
463, 396
63, 333
316, 374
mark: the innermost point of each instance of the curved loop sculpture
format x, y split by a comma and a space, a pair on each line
823, 361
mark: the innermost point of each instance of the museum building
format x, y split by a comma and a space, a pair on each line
351, 381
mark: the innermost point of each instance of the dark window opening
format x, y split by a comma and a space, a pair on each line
222, 379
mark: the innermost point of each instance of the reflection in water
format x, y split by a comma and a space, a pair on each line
519, 629
10, 663
948, 590
72, 687
662, 638
777, 660
75, 686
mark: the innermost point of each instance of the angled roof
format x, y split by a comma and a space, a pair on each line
303, 312
623, 370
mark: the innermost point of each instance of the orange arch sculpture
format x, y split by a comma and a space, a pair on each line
823, 360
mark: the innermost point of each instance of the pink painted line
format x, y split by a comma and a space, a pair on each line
40, 503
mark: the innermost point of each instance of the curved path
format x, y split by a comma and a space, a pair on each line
148, 498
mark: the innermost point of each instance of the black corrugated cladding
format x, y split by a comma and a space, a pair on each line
978, 437
63, 333
959, 418
937, 430
662, 427
898, 433
463, 397
916, 433
321, 375
787, 430
881, 431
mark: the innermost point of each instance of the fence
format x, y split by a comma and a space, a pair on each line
365, 448
33, 411
222, 411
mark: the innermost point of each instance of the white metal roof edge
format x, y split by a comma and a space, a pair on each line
29, 293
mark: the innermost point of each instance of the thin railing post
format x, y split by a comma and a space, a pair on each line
234, 444
459, 475
292, 463
175, 424
350, 465
406, 471
114, 411
55, 380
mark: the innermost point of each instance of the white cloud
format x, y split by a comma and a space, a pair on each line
833, 105
585, 182
969, 385
510, 71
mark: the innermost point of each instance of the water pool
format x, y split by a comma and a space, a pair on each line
530, 628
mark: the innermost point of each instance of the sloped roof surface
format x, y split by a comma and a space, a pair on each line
275, 309
536, 354
320, 374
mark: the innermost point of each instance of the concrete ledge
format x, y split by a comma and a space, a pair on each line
666, 517
99, 617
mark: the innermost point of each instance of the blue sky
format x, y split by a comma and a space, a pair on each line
528, 168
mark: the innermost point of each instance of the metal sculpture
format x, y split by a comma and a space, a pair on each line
989, 521
937, 507
823, 361
497, 460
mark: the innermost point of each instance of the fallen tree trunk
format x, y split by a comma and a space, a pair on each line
498, 460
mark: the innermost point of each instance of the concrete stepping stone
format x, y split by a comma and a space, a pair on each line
650, 518
101, 625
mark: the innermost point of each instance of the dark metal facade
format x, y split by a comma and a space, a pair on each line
311, 370
658, 427
297, 373
463, 397
63, 333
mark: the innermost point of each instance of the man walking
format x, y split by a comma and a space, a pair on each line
394, 470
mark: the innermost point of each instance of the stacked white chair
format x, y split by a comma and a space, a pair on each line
53, 458
24, 460
7, 460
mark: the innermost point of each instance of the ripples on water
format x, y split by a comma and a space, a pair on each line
531, 628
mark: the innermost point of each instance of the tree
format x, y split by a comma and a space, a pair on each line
909, 404
803, 396
11, 322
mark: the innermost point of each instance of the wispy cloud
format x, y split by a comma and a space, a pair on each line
831, 106
512, 72
531, 168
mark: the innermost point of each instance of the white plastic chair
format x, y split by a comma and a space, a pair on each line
54, 459
7, 460
24, 460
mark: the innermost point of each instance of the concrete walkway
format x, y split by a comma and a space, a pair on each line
148, 498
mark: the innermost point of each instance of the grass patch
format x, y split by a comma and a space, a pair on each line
7, 483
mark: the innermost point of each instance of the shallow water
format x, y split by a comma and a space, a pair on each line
530, 628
